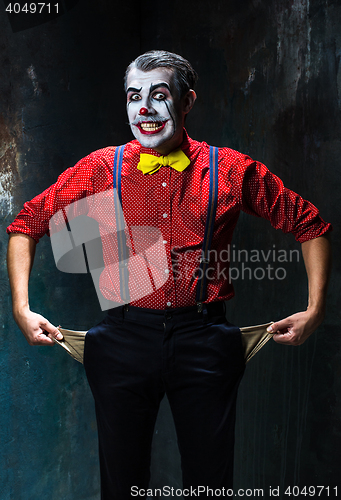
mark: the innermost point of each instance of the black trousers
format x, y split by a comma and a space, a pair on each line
132, 359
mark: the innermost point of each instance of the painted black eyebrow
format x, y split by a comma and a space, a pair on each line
157, 85
133, 89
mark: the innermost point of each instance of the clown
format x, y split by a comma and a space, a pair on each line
175, 340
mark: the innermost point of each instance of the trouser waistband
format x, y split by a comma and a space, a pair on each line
181, 313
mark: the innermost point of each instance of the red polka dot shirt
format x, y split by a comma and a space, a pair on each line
175, 203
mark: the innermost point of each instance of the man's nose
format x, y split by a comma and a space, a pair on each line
145, 111
146, 108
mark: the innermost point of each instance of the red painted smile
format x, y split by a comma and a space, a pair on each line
149, 128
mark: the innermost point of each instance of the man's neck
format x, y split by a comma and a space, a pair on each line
164, 150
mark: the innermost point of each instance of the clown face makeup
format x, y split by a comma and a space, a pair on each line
156, 115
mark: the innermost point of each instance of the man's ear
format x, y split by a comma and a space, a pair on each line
188, 101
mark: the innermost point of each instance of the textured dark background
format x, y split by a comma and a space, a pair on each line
270, 86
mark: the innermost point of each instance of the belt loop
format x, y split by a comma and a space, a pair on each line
125, 309
204, 313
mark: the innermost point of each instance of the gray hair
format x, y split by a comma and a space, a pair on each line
185, 77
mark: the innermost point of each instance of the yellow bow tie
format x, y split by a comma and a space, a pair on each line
149, 164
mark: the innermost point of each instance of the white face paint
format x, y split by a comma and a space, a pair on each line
155, 115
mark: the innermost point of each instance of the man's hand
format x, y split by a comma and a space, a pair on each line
37, 329
295, 329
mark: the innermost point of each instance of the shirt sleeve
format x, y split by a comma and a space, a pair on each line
73, 184
264, 195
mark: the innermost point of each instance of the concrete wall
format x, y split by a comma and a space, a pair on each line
270, 86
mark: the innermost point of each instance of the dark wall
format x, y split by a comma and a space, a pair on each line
270, 86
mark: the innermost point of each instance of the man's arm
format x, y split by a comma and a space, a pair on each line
295, 329
20, 257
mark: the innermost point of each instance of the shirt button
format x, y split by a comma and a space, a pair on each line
165, 215
164, 184
169, 304
167, 271
164, 241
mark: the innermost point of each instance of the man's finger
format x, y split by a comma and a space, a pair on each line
279, 326
283, 332
43, 339
288, 338
51, 330
282, 338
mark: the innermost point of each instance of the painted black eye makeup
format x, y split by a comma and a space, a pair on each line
172, 117
134, 96
159, 96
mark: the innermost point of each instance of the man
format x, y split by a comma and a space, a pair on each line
168, 341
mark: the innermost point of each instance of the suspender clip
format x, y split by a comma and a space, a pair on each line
204, 260
199, 306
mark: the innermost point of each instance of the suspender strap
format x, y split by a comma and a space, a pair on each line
211, 213
123, 252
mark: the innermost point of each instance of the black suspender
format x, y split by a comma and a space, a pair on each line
123, 252
211, 213
209, 227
